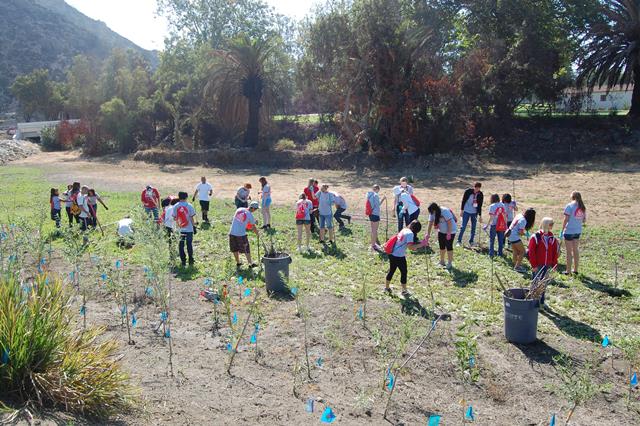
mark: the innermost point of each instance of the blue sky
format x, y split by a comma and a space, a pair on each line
137, 21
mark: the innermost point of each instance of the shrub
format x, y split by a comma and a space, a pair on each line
284, 145
72, 135
46, 360
49, 139
324, 143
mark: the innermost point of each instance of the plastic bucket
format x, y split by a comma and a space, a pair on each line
520, 317
276, 274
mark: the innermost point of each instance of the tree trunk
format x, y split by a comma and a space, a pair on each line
252, 134
634, 111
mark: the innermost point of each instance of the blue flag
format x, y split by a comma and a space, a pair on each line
71, 275
103, 277
605, 341
360, 315
148, 291
134, 320
309, 406
390, 380
254, 338
469, 414
257, 327
634, 379
327, 416
247, 292
229, 347
123, 310
240, 279
434, 420
472, 361
167, 333
163, 316
294, 291
83, 310
208, 281
5, 356
118, 264
319, 362
234, 320
553, 421
145, 269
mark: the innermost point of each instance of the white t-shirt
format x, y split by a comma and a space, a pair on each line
243, 194
266, 191
203, 191
124, 227
493, 208
190, 212
398, 189
445, 216
340, 201
404, 238
407, 203
307, 206
576, 218
83, 203
168, 217
325, 203
241, 219
518, 225
511, 211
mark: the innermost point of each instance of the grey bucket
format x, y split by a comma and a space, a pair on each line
276, 273
520, 316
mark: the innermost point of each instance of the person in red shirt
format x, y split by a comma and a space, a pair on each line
544, 250
310, 191
150, 198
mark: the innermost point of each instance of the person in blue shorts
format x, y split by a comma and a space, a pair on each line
575, 216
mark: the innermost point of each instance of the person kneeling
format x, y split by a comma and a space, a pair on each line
396, 247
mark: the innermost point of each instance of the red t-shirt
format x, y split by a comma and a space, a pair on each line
311, 195
150, 198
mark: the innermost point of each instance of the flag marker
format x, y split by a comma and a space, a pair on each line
328, 416
434, 420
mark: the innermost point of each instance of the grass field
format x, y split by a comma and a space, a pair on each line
335, 282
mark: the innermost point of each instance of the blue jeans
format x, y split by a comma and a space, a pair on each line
186, 238
403, 218
492, 239
465, 219
152, 210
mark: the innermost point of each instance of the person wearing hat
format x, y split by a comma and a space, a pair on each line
184, 220
150, 198
242, 221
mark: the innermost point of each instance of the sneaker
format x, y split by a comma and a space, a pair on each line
253, 265
449, 266
405, 293
520, 269
473, 244
388, 291
458, 244
441, 264
349, 220
238, 265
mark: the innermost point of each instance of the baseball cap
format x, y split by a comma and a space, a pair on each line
254, 205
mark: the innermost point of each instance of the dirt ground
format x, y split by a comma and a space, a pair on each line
609, 187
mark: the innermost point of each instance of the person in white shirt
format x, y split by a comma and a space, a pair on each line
125, 232
83, 204
446, 222
403, 219
204, 191
242, 221
341, 207
326, 200
265, 197
184, 218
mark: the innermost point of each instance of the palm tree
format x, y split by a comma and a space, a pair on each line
614, 50
239, 86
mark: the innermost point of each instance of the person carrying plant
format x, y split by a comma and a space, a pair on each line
544, 250
243, 196
520, 225
396, 248
326, 200
303, 219
341, 207
242, 221
54, 201
471, 210
372, 211
497, 225
150, 198
203, 191
265, 202
184, 217
397, 203
575, 216
446, 221
310, 191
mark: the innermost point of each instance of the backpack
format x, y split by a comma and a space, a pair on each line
415, 199
501, 221
390, 244
368, 209
182, 216
301, 211
75, 208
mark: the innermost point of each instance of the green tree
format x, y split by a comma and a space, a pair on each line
115, 120
240, 85
613, 46
36, 93
83, 100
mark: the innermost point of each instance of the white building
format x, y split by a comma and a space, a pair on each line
618, 98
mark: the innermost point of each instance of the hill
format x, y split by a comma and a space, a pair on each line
48, 34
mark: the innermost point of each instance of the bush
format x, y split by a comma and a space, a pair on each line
324, 143
45, 360
49, 139
284, 145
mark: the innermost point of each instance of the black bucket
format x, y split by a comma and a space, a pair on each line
520, 316
276, 273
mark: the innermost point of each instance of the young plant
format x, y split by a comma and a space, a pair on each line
116, 280
74, 250
577, 385
630, 348
466, 344
252, 311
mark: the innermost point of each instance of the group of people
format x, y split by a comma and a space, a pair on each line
81, 205
504, 225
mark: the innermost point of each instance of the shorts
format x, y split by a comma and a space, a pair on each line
204, 205
266, 203
303, 222
374, 218
444, 243
326, 221
571, 237
239, 244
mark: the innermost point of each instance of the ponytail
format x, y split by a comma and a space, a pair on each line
436, 211
577, 197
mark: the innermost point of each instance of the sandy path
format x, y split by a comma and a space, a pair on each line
610, 191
